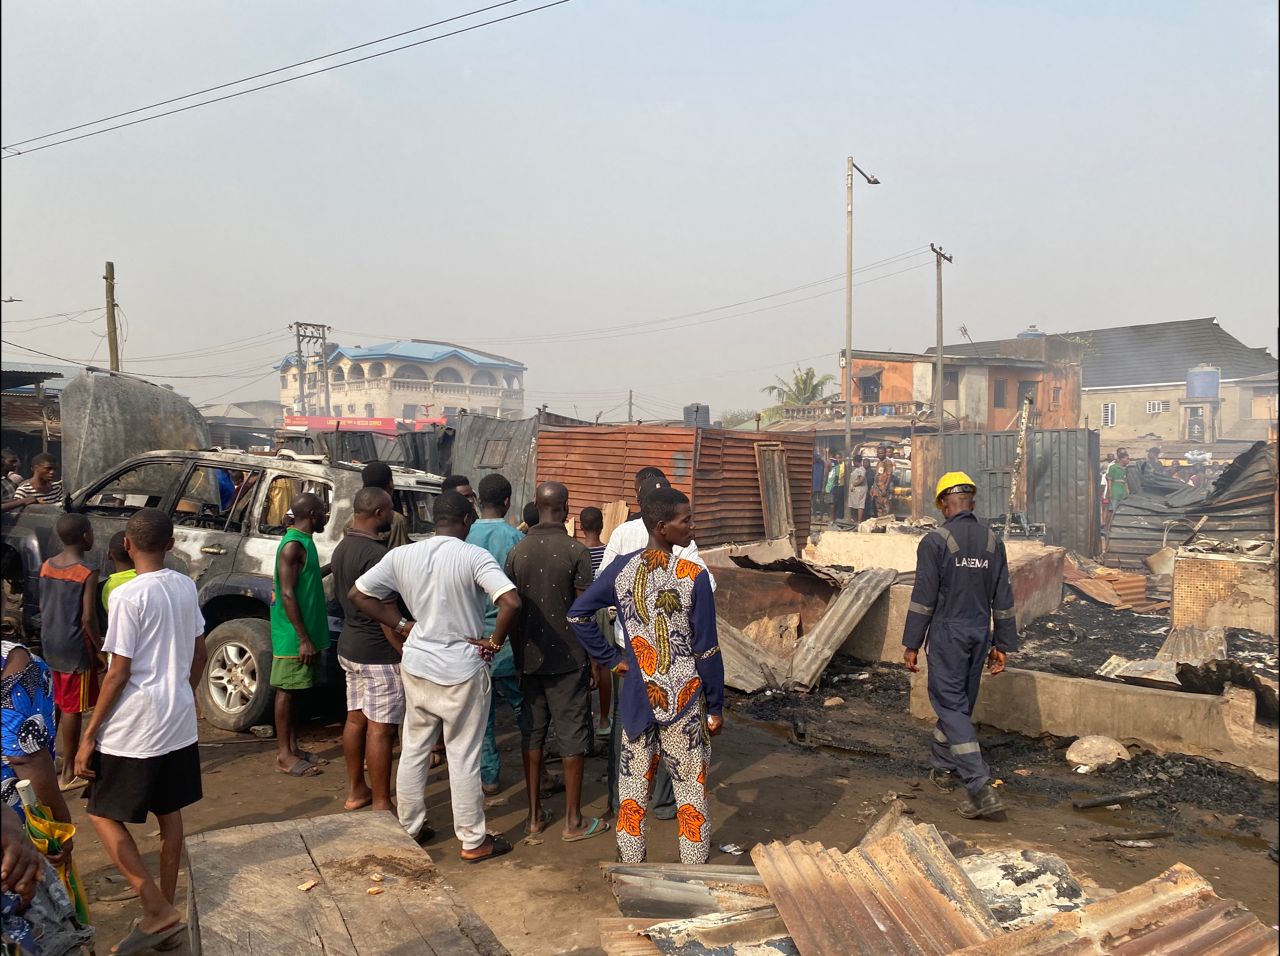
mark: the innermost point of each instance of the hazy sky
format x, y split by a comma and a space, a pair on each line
605, 163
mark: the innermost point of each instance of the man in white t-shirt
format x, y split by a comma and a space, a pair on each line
442, 581
632, 536
139, 748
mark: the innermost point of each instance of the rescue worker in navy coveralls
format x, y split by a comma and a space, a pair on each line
961, 587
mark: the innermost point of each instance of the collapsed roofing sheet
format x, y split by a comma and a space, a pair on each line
1241, 506
902, 894
1177, 912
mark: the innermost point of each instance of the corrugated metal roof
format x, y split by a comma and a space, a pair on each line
902, 894
1175, 913
1241, 506
726, 491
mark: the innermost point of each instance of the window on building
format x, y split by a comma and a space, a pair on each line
284, 381
1055, 397
311, 380
951, 385
351, 409
1108, 414
1155, 408
368, 409
1002, 393
494, 453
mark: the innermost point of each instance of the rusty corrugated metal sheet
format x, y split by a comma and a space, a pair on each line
716, 468
485, 445
1175, 913
902, 894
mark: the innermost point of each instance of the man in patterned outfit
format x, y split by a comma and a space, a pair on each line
673, 686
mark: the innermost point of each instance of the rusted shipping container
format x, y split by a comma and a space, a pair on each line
717, 468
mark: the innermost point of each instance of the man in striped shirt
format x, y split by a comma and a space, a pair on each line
43, 486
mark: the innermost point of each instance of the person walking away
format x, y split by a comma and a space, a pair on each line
591, 521
673, 686
1118, 481
961, 587
446, 681
70, 635
858, 490
377, 474
139, 749
550, 569
299, 629
369, 655
627, 539
124, 568
44, 485
495, 535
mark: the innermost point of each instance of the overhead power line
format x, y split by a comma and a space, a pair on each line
248, 372
13, 151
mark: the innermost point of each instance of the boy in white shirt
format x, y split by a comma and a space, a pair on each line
139, 749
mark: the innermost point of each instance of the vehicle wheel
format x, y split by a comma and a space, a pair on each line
235, 693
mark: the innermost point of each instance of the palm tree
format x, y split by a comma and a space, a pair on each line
805, 388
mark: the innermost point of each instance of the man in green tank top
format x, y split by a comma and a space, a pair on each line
299, 628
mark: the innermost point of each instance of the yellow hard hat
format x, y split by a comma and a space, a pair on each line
953, 481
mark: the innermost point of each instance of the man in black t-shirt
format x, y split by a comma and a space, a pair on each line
370, 657
550, 569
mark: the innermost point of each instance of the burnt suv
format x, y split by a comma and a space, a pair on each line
228, 514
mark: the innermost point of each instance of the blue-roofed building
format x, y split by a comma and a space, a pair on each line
404, 379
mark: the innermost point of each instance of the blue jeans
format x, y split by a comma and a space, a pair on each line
506, 686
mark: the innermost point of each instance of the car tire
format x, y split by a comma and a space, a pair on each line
235, 691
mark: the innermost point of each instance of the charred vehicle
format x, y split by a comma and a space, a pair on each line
229, 513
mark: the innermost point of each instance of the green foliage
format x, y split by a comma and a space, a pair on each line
805, 388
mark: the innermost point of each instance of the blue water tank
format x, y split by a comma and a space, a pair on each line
1202, 381
1031, 333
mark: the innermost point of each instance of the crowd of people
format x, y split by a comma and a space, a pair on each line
1122, 476
437, 636
863, 486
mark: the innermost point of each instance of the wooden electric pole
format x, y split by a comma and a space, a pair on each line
939, 390
113, 340
846, 367
630, 402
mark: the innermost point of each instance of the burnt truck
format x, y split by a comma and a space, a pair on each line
229, 514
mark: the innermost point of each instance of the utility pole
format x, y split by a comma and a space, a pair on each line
846, 370
939, 392
630, 397
113, 341
297, 358
313, 332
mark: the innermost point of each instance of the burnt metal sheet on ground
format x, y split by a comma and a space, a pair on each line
815, 649
1177, 912
1241, 506
679, 891
902, 894
837, 576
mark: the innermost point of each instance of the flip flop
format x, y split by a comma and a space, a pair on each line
301, 769
500, 848
312, 758
139, 940
597, 827
602, 733
75, 783
545, 817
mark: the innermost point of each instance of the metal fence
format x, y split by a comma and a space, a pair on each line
1060, 487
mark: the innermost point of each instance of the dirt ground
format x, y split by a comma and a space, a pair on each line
545, 899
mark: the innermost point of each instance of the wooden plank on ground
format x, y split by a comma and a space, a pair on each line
244, 885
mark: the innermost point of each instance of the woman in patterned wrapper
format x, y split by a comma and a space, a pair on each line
672, 694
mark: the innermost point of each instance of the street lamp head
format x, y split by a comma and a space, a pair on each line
872, 181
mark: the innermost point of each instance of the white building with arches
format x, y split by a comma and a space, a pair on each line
405, 379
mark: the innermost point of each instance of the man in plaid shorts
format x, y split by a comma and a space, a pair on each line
370, 657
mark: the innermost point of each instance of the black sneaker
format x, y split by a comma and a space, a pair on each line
986, 804
944, 780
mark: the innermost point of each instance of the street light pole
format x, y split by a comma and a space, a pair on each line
846, 369
939, 394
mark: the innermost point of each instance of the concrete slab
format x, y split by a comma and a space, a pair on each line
1035, 574
1222, 728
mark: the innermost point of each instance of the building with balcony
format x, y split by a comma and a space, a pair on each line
406, 379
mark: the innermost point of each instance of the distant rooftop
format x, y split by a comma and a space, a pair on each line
1157, 353
21, 377
417, 350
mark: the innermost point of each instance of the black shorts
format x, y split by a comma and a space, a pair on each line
564, 698
126, 789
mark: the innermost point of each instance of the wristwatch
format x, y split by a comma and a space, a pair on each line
402, 626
